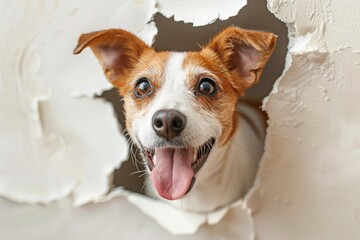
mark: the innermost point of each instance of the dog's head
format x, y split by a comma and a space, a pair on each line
178, 105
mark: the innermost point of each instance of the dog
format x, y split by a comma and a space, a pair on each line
182, 111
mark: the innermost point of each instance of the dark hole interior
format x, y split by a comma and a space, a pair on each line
178, 36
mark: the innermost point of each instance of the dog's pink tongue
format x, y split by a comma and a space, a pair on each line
172, 173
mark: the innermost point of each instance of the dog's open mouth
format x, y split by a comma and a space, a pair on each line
173, 169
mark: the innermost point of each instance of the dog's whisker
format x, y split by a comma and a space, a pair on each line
146, 182
144, 174
138, 172
242, 148
134, 158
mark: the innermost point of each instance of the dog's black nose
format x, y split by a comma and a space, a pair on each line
168, 123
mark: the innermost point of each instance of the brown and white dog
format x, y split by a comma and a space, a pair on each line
181, 111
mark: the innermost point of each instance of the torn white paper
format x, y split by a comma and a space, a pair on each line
115, 219
50, 139
200, 13
307, 183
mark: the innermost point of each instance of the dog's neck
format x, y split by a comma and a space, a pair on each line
229, 171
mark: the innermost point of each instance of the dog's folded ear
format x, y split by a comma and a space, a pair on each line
117, 51
244, 52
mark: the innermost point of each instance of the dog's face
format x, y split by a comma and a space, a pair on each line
179, 105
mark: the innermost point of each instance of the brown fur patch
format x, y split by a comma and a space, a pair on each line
235, 58
244, 53
222, 104
151, 65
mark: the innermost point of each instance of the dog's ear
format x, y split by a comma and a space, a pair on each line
117, 51
244, 52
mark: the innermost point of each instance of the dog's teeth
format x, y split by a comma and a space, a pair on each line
154, 160
194, 157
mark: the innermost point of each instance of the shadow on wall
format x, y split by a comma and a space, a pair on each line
178, 36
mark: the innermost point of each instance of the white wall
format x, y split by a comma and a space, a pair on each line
308, 181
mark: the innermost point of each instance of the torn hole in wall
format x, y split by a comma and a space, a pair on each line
170, 37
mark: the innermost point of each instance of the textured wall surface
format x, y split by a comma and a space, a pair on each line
59, 145
308, 182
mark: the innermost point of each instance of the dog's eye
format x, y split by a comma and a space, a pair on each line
142, 88
207, 86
